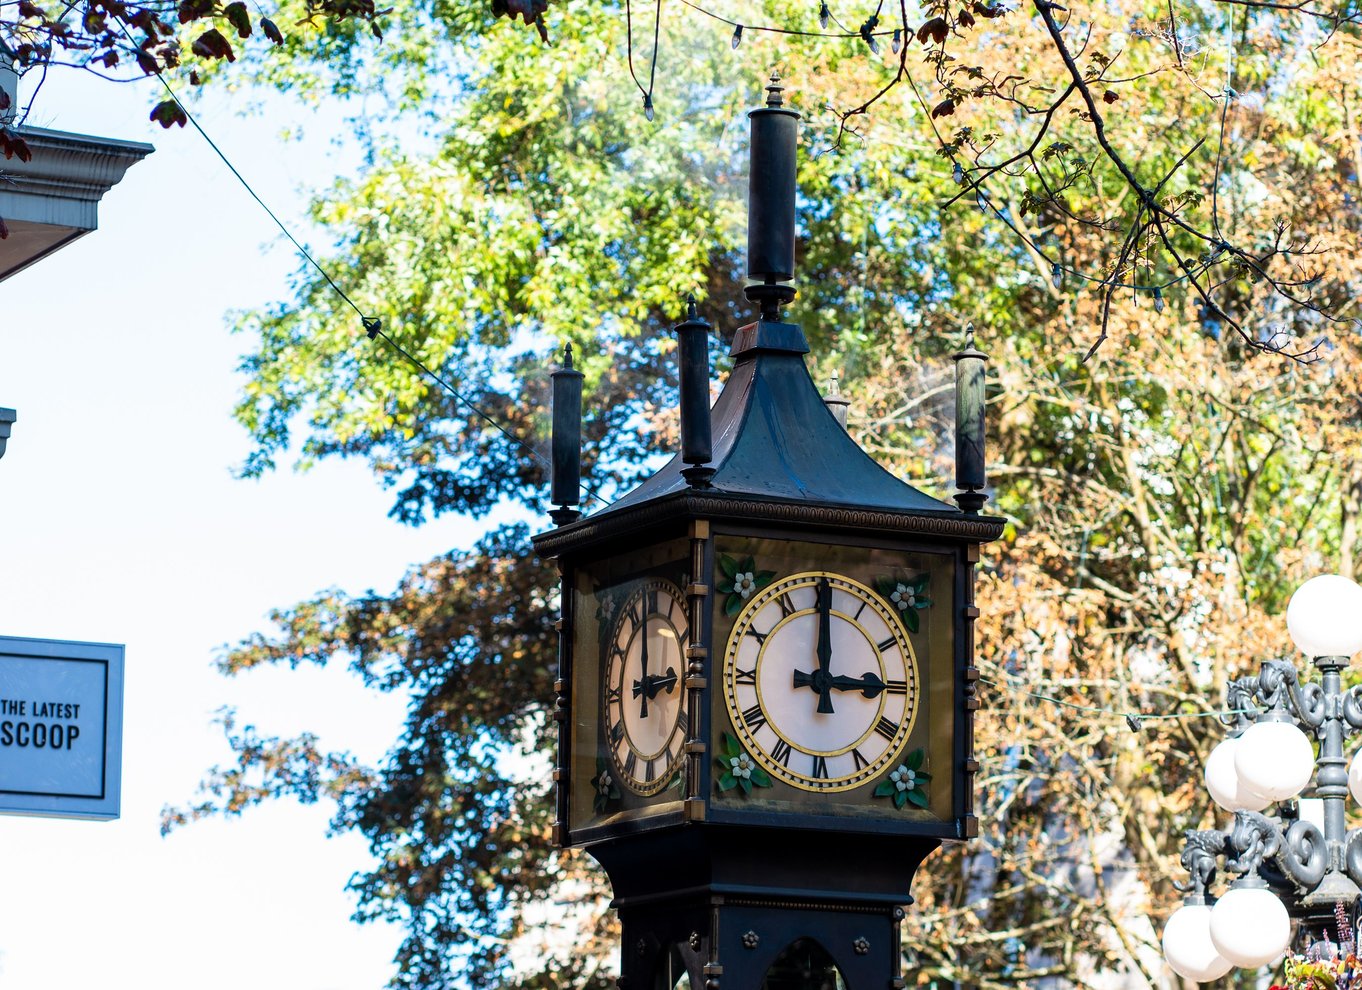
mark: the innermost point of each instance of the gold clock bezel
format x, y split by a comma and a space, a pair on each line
777, 769
626, 778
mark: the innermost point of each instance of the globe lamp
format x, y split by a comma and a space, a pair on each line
1222, 780
1188, 947
1274, 760
1250, 926
1325, 617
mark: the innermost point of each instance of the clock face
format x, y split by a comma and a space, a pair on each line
645, 697
820, 681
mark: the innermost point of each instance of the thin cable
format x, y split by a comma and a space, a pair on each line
373, 327
377, 331
1129, 717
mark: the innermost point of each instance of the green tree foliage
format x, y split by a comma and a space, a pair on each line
1164, 491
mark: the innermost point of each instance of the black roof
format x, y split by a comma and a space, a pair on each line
775, 439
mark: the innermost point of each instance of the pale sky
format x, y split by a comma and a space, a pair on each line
120, 522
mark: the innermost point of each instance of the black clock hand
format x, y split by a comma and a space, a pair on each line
641, 685
821, 680
869, 684
654, 683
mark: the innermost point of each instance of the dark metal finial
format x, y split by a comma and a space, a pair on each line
970, 475
697, 449
566, 476
771, 203
773, 91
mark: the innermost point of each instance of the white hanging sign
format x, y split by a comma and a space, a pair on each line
61, 728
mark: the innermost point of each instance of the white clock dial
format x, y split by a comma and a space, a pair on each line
820, 681
645, 696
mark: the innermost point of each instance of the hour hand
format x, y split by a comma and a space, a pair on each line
648, 686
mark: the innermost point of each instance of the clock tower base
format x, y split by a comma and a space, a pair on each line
780, 910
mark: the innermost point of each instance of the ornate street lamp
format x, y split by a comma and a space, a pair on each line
1291, 864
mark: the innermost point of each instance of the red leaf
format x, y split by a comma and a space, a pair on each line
167, 113
1110, 96
15, 147
192, 10
238, 17
988, 10
27, 9
943, 109
965, 19
212, 44
937, 29
271, 31
146, 63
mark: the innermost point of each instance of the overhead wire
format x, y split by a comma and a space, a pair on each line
373, 326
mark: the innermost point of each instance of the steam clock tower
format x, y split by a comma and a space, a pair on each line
766, 673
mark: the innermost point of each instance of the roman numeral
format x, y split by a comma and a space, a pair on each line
781, 752
787, 605
745, 676
648, 772
760, 637
860, 760
887, 728
820, 768
896, 687
630, 762
612, 694
650, 600
886, 644
754, 717
864, 603
616, 732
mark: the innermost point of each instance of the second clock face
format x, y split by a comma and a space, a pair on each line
645, 709
820, 681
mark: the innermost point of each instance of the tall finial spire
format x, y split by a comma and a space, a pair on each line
566, 476
771, 203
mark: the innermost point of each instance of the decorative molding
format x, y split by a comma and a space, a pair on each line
610, 524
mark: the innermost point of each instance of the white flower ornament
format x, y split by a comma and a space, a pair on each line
903, 597
744, 584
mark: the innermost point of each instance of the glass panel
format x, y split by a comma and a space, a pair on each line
628, 666
804, 965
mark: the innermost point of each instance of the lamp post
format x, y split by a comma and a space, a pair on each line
1294, 863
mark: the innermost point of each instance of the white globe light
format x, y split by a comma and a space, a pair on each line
1250, 926
1325, 617
1355, 776
1222, 780
1274, 760
1188, 947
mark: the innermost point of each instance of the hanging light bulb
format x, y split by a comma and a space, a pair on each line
897, 41
648, 105
958, 174
737, 36
1158, 300
874, 45
823, 15
1057, 275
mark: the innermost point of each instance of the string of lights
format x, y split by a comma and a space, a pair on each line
1133, 719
